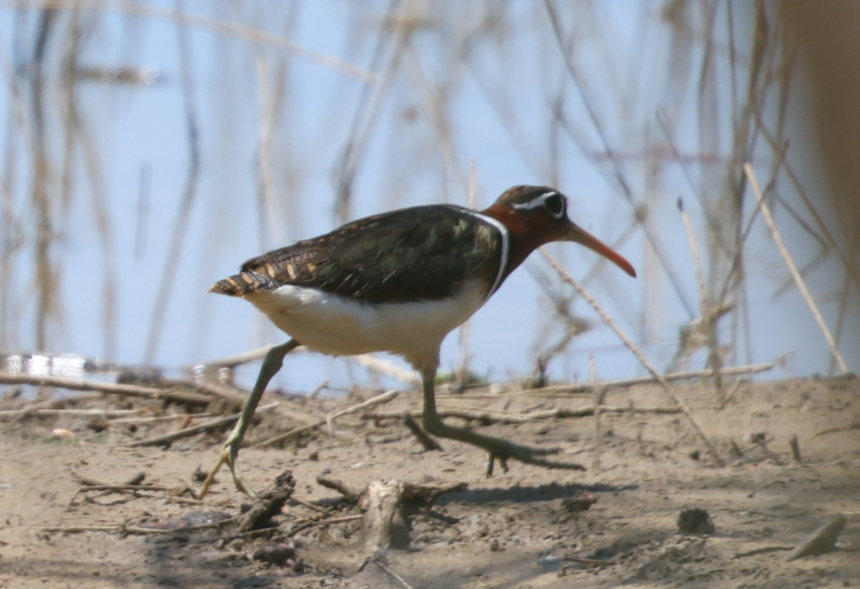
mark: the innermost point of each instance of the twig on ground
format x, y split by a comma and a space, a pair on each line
798, 279
762, 550
491, 417
107, 413
636, 351
126, 390
194, 430
350, 494
429, 443
383, 398
577, 559
321, 522
843, 428
310, 505
162, 418
625, 382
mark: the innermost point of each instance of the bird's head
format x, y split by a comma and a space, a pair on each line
536, 215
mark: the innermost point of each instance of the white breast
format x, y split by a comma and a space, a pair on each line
341, 327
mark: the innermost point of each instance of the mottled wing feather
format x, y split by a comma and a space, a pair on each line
419, 253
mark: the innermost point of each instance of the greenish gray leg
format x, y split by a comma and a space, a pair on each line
230, 452
497, 448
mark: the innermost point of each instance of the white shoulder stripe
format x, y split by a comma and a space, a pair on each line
506, 246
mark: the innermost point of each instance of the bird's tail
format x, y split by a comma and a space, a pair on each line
243, 284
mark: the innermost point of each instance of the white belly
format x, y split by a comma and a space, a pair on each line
340, 327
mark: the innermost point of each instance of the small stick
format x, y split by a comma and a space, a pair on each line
194, 430
798, 279
490, 417
126, 390
672, 376
795, 448
378, 562
321, 522
383, 398
338, 486
72, 412
636, 351
162, 418
762, 550
577, 559
833, 430
428, 442
310, 505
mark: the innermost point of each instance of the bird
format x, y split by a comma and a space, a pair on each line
399, 282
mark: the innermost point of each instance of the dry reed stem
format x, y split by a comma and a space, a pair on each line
636, 352
186, 204
708, 312
243, 33
265, 108
383, 398
801, 284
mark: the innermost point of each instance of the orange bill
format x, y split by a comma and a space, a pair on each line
579, 235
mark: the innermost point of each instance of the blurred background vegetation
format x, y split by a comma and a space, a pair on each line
148, 148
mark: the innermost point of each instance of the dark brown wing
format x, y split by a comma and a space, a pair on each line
419, 253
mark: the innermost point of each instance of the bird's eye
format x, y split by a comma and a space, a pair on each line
554, 203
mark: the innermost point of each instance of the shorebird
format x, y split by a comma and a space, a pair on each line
399, 282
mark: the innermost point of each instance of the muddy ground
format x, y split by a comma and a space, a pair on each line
524, 528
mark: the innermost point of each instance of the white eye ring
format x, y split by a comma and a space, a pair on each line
540, 201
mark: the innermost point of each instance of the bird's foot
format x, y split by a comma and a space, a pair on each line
229, 456
499, 449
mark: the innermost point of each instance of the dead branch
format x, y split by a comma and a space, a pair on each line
833, 430
269, 504
427, 441
349, 494
625, 382
636, 352
491, 417
72, 412
197, 429
126, 390
383, 398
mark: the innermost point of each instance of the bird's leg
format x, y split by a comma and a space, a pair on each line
497, 448
229, 453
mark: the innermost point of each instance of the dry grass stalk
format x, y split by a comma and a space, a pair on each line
185, 19
707, 311
798, 279
636, 352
